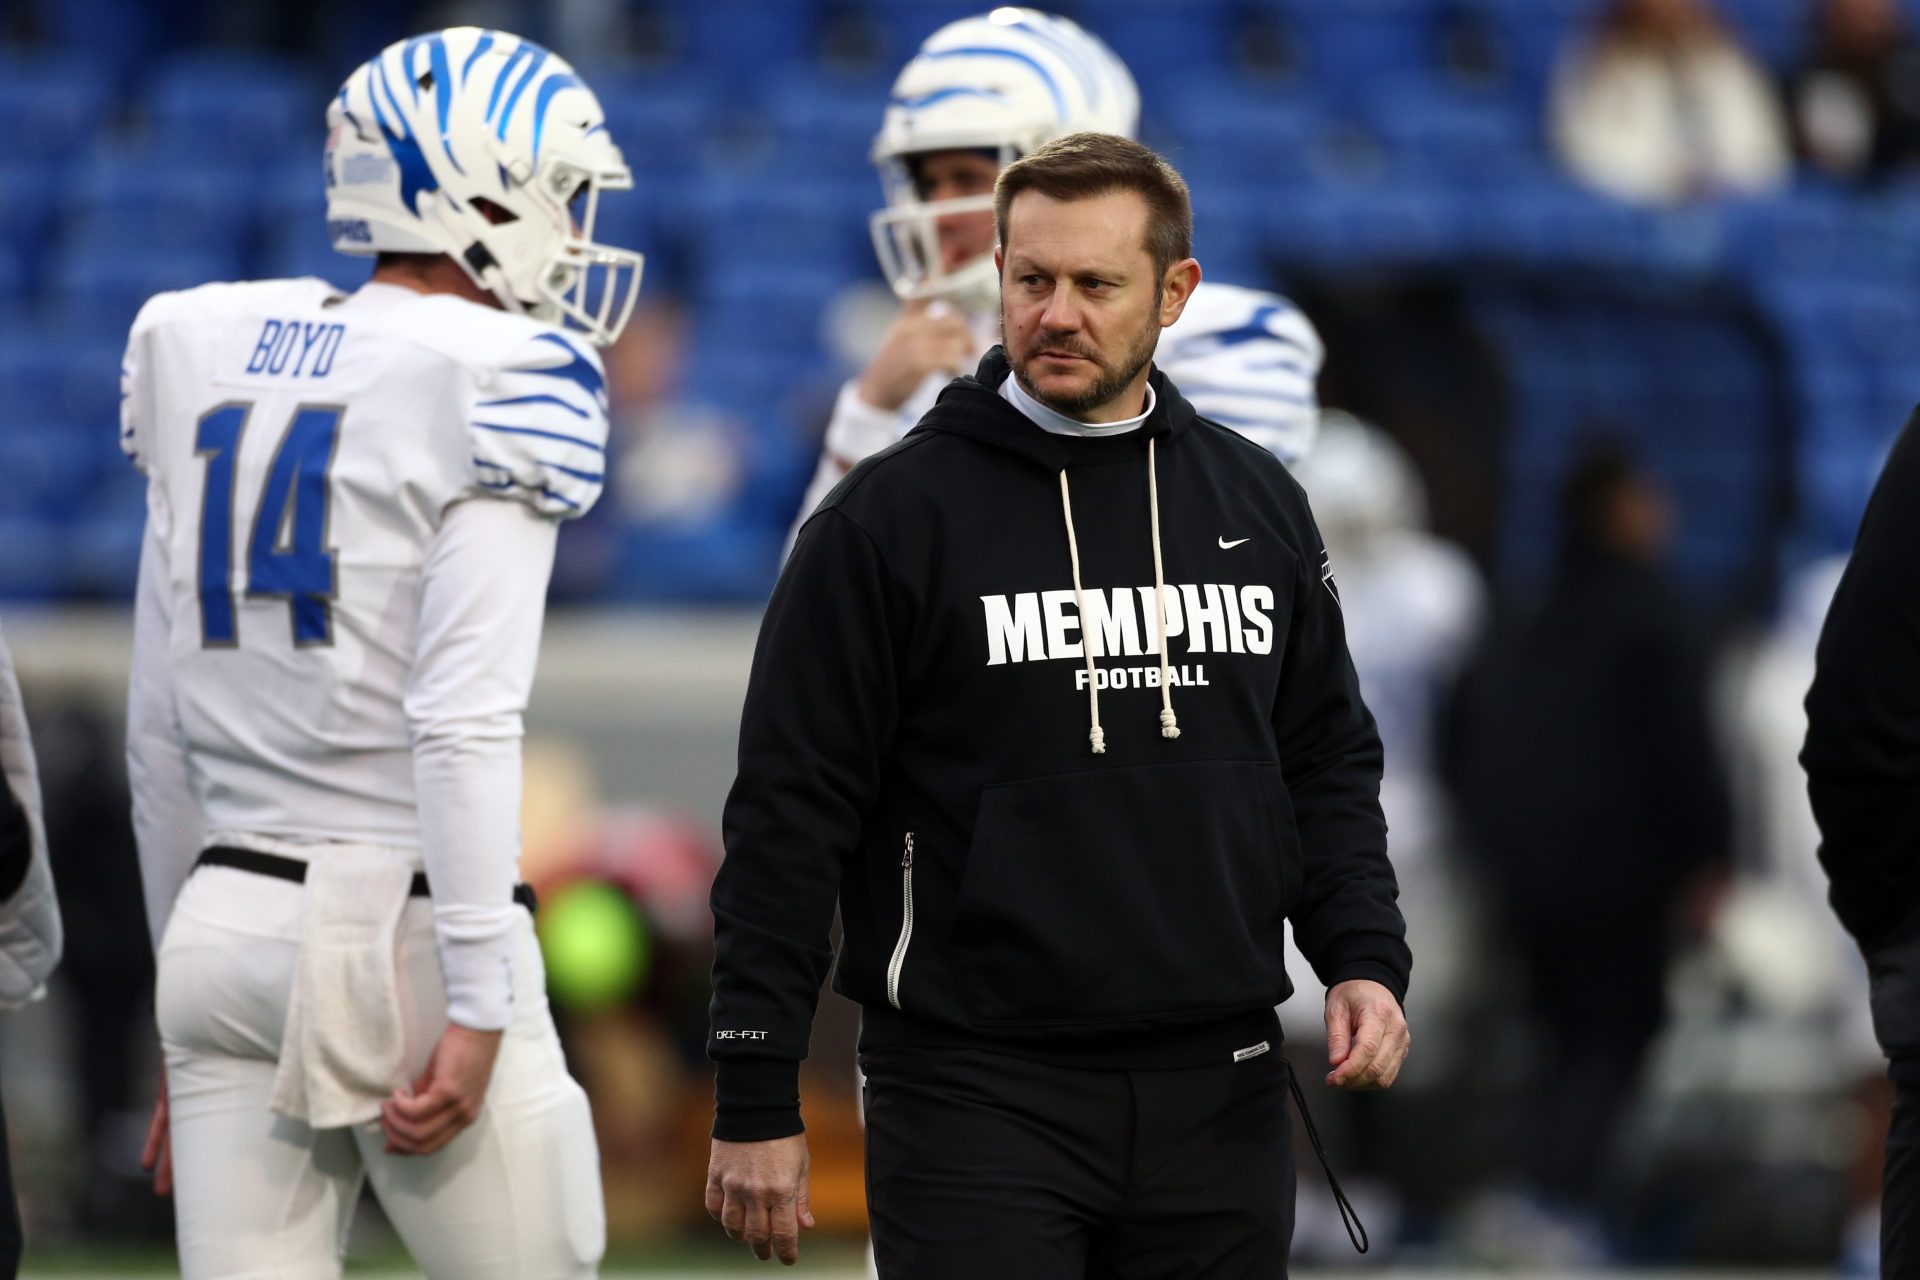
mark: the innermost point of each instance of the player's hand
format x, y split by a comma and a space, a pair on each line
921, 340
1367, 1036
758, 1192
422, 1118
156, 1156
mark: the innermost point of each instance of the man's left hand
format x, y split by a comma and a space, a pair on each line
1367, 1036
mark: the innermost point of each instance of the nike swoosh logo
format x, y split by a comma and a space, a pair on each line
1228, 546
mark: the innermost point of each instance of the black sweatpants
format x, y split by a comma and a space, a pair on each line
987, 1167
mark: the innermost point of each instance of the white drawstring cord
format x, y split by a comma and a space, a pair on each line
1095, 734
1169, 723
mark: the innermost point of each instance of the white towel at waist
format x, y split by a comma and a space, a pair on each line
343, 1050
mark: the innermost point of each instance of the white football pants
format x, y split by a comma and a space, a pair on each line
516, 1196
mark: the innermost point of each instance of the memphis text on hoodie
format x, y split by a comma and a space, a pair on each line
1095, 870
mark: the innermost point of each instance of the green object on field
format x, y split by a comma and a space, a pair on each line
595, 944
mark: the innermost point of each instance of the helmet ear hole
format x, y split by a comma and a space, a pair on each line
494, 213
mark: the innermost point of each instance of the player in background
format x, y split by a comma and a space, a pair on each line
1413, 605
351, 518
979, 94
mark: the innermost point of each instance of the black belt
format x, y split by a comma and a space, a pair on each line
272, 864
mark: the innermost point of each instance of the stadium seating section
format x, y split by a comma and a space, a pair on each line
1321, 137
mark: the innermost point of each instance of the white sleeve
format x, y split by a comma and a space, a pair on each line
856, 430
167, 824
538, 428
30, 934
1251, 367
482, 600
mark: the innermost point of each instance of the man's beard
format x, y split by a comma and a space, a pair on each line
1102, 389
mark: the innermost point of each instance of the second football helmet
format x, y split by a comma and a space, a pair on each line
1005, 82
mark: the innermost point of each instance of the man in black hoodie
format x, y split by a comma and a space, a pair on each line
1054, 700
1863, 771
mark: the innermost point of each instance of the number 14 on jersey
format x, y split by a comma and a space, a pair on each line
287, 553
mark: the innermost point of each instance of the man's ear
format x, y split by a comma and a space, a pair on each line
1176, 287
999, 259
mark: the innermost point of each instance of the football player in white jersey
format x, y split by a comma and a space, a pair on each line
351, 515
980, 93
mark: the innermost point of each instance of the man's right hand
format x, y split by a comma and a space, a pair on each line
758, 1192
921, 340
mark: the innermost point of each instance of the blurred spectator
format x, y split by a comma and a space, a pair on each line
1796, 967
1856, 106
680, 461
1592, 787
1412, 604
1662, 105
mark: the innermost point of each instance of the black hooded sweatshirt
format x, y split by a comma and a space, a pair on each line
918, 744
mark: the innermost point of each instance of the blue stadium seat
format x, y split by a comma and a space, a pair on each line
28, 189
1165, 42
1442, 135
238, 104
55, 379
34, 567
103, 545
102, 294
661, 124
820, 125
767, 309
779, 227
740, 40
51, 105
134, 201
51, 466
722, 565
1349, 52
1218, 128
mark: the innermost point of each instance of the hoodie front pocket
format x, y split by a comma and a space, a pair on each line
1121, 896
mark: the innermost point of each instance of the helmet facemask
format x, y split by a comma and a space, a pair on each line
906, 238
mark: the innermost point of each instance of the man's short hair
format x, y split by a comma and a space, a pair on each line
1083, 165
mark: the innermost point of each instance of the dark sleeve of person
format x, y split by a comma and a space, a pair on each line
820, 713
1348, 922
16, 842
1862, 754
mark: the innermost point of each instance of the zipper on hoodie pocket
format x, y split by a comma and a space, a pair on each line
906, 925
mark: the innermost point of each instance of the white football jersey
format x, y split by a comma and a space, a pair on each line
1244, 358
302, 448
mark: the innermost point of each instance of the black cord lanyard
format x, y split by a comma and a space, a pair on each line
1356, 1230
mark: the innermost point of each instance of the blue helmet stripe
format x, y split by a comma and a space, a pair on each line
1063, 47
443, 96
548, 87
941, 95
406, 64
500, 81
513, 99
416, 176
466, 68
1026, 59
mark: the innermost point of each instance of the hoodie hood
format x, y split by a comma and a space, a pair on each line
972, 406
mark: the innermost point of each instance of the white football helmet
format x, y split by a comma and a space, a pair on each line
1007, 82
476, 144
